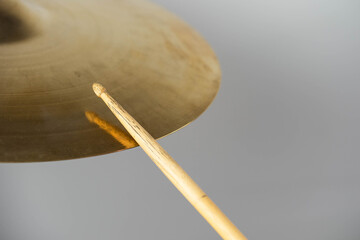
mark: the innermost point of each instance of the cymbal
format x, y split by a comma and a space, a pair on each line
51, 51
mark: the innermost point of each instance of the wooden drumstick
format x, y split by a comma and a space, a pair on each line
182, 181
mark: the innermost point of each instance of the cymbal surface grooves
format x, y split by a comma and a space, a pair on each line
157, 67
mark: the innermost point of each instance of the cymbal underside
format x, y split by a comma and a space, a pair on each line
159, 69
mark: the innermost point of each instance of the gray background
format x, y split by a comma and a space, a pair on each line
278, 150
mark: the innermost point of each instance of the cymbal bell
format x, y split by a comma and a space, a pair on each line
51, 51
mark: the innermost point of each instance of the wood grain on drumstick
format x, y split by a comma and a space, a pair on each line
172, 170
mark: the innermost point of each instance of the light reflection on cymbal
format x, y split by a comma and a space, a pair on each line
122, 137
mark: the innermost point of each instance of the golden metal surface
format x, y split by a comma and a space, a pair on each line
51, 51
119, 135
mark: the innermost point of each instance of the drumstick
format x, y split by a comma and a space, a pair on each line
172, 170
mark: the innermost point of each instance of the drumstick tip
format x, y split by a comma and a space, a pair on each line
98, 89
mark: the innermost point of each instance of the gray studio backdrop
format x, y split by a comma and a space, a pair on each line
278, 150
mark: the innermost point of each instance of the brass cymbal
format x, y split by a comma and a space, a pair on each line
51, 51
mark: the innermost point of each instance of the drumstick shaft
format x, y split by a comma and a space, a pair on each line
172, 170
